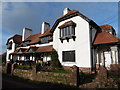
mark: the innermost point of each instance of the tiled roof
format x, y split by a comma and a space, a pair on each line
24, 50
106, 27
105, 37
34, 38
34, 48
45, 49
70, 14
67, 24
46, 33
15, 52
16, 38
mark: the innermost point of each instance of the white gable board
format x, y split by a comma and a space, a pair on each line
10, 50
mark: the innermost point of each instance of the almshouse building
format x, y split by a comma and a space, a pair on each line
77, 39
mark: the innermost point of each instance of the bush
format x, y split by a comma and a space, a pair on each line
86, 77
55, 63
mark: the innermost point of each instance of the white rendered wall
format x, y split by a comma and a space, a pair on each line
10, 50
46, 58
81, 45
115, 54
119, 54
106, 57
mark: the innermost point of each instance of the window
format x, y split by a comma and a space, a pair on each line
28, 57
25, 43
44, 39
68, 56
67, 31
9, 46
20, 51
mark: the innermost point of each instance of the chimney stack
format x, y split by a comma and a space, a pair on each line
66, 10
26, 33
45, 26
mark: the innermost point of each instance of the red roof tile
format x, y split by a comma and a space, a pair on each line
16, 38
36, 37
106, 27
69, 13
105, 37
34, 48
15, 52
24, 50
45, 49
46, 33
67, 24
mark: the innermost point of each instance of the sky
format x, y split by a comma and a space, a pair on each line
17, 15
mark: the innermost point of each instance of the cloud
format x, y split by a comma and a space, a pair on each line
16, 16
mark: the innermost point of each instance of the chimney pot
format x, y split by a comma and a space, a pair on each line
45, 26
66, 10
26, 33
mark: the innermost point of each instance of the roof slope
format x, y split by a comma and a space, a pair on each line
46, 33
36, 37
16, 38
71, 14
105, 37
106, 27
67, 24
45, 49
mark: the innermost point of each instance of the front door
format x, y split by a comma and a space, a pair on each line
107, 56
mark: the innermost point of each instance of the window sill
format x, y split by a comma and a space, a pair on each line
67, 38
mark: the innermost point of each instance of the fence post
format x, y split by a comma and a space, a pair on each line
8, 68
12, 68
75, 76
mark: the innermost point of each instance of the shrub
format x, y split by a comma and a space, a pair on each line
55, 63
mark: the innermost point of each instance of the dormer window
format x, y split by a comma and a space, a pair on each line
67, 30
44, 40
9, 46
26, 43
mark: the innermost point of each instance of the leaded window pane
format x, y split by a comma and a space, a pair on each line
68, 56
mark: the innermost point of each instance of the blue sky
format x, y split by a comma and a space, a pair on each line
16, 15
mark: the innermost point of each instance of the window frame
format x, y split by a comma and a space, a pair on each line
65, 53
67, 31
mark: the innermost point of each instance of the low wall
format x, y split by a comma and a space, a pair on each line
27, 74
71, 78
43, 76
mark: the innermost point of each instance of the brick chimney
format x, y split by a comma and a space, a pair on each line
26, 33
45, 26
66, 10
